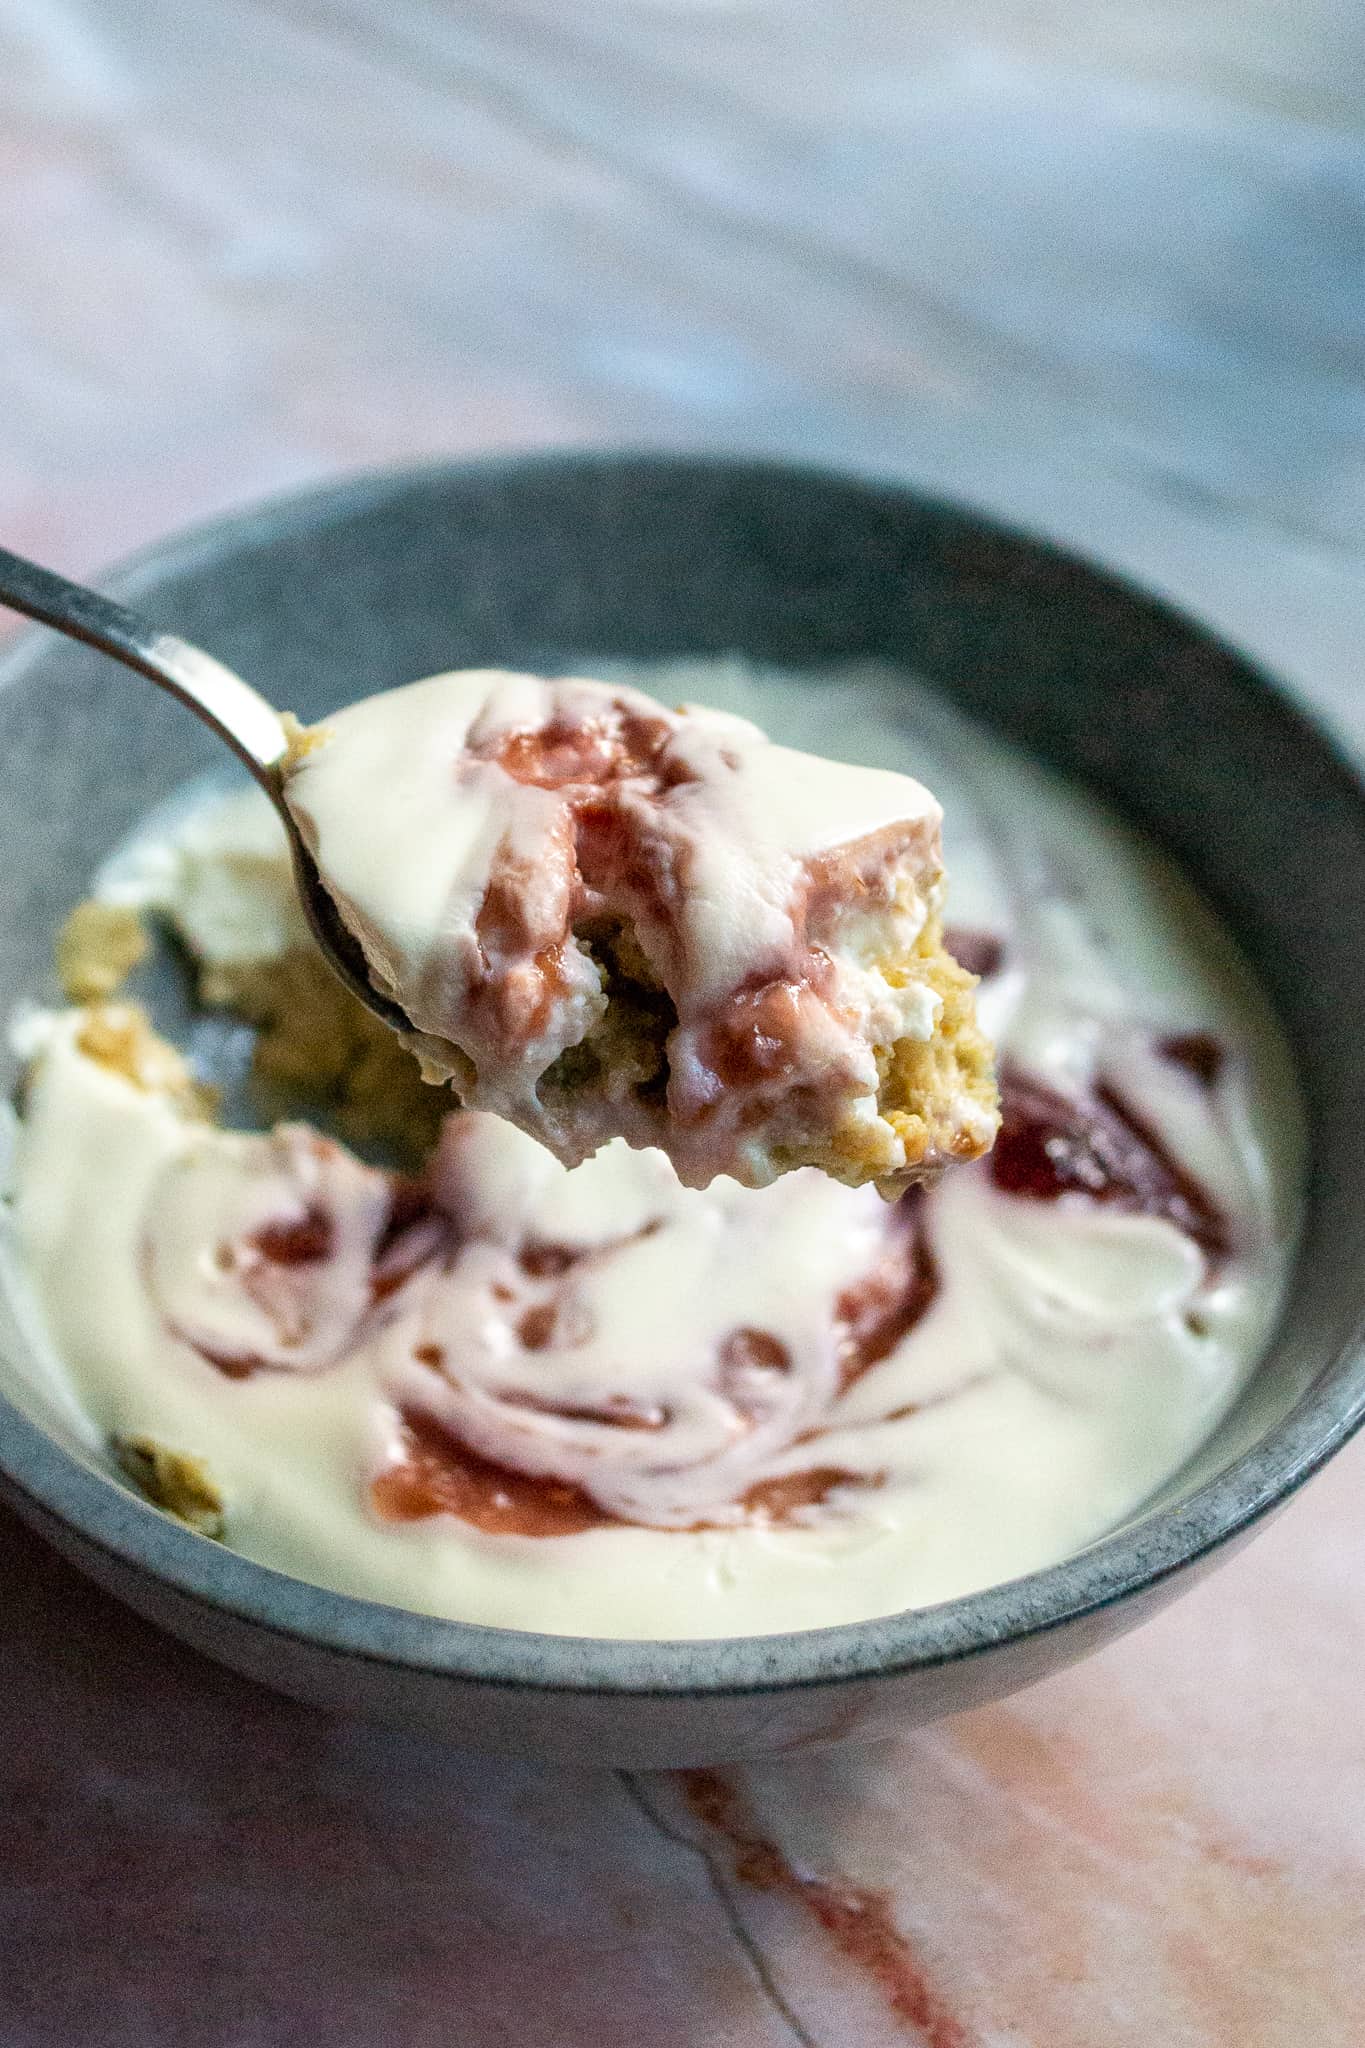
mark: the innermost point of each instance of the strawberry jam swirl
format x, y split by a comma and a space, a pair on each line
557, 1353
606, 919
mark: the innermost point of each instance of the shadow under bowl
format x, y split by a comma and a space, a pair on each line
529, 563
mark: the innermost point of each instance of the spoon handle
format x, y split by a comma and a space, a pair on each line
237, 713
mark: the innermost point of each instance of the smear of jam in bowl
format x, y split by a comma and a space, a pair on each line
1097, 1145
880, 1310
295, 1241
436, 1473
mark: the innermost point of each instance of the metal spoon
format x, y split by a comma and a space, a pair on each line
239, 716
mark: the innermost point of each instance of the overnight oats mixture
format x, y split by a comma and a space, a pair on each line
398, 1347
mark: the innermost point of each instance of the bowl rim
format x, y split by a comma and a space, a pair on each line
53, 1485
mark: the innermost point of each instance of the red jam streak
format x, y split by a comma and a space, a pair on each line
749, 1350
598, 850
522, 971
1098, 1146
1095, 1146
617, 1411
758, 1035
777, 1500
609, 770
233, 1365
541, 1260
298, 1241
881, 1309
414, 1233
439, 1475
536, 1330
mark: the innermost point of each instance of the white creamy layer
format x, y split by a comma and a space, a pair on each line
217, 866
1072, 1357
474, 827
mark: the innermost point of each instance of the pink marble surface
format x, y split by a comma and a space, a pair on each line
1165, 1845
1099, 268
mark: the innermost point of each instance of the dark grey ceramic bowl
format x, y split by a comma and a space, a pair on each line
530, 563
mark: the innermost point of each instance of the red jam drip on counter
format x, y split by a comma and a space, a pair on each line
857, 1919
1098, 1146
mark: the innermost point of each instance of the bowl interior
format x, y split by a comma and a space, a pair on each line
533, 563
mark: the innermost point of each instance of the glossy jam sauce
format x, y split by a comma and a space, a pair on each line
436, 1474
1099, 1148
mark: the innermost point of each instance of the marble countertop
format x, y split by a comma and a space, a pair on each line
1099, 269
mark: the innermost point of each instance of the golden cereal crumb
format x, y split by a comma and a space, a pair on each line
317, 1044
172, 1480
97, 949
120, 1037
927, 1082
303, 740
937, 1099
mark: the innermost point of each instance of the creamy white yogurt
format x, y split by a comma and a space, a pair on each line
1068, 1357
